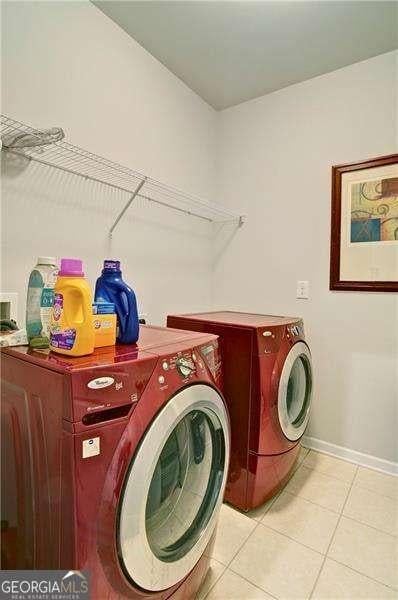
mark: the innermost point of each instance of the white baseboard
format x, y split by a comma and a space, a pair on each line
359, 458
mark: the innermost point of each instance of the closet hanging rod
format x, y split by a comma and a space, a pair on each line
185, 211
77, 161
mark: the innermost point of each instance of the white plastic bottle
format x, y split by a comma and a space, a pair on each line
40, 301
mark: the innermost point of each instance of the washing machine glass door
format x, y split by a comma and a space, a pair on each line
174, 488
295, 391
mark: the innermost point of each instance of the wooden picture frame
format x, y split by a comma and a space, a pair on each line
339, 229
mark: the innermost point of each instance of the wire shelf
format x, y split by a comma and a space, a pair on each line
77, 161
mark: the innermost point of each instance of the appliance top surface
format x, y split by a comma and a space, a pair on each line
155, 337
229, 317
153, 342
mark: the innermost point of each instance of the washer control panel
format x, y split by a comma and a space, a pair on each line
189, 364
185, 366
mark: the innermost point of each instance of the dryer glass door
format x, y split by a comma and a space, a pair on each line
295, 392
174, 489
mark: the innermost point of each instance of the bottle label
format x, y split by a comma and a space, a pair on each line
106, 324
33, 320
40, 301
47, 298
103, 324
63, 339
112, 264
58, 306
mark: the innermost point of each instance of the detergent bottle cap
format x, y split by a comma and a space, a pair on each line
71, 267
46, 260
111, 265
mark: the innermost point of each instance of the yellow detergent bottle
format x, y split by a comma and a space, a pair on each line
72, 328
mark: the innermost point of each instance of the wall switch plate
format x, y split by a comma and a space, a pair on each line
303, 290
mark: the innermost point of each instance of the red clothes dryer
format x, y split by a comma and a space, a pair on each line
268, 387
115, 463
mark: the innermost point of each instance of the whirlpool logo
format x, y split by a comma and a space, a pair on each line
44, 585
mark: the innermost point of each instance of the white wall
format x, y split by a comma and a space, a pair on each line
275, 155
66, 64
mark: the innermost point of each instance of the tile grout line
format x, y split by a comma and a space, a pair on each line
236, 553
393, 535
326, 474
218, 578
238, 550
335, 512
333, 535
352, 484
253, 530
351, 461
355, 476
267, 526
258, 522
292, 539
227, 567
253, 584
328, 557
362, 487
389, 587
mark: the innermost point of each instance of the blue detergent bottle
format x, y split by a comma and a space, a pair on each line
110, 287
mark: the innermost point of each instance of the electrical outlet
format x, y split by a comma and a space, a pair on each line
9, 305
303, 290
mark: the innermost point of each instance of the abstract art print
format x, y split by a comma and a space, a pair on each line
364, 232
374, 211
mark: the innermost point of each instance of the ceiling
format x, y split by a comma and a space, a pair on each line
230, 51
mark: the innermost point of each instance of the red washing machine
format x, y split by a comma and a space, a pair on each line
115, 463
268, 387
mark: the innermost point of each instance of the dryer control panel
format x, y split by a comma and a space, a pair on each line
296, 330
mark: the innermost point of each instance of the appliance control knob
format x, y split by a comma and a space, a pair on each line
161, 379
165, 365
185, 366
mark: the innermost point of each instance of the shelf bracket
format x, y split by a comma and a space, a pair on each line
127, 205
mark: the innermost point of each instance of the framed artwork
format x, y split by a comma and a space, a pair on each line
364, 229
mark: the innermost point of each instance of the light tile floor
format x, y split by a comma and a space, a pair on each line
331, 534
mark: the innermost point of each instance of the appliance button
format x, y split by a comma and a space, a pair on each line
165, 366
267, 333
161, 379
